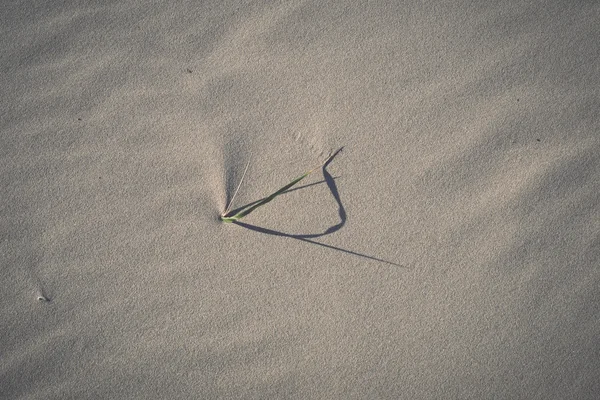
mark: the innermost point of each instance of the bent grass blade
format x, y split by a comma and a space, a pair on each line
254, 205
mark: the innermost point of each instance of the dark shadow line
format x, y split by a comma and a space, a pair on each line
330, 180
305, 239
354, 253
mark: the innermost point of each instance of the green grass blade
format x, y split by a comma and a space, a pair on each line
262, 202
254, 205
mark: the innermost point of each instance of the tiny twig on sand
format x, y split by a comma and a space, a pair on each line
236, 190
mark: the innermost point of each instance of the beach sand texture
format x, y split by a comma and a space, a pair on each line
450, 251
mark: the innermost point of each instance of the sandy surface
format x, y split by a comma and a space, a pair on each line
451, 250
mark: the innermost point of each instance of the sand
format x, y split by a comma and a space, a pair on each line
450, 251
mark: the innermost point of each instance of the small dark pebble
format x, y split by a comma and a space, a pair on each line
539, 140
189, 71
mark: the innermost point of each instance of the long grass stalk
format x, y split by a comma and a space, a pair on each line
247, 209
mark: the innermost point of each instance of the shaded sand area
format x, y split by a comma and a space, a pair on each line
451, 250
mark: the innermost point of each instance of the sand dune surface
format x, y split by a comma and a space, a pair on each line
450, 251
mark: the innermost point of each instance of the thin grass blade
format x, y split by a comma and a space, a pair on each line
254, 205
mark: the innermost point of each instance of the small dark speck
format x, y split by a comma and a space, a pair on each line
78, 119
518, 99
189, 71
539, 140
